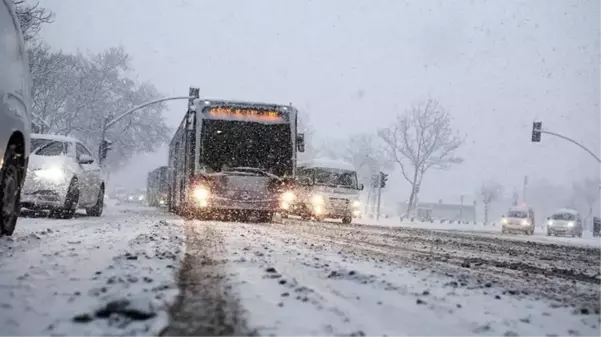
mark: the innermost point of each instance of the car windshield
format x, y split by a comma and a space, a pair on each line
517, 214
47, 147
36, 143
335, 177
563, 216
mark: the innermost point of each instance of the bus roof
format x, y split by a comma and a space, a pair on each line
216, 102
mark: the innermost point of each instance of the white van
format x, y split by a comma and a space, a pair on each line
327, 189
518, 219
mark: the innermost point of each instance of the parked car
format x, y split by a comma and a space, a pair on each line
565, 221
15, 116
63, 176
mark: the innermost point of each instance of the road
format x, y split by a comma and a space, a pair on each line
290, 278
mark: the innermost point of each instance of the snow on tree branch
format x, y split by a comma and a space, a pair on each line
31, 17
419, 140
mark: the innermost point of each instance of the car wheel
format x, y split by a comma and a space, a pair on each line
11, 179
347, 220
548, 233
71, 202
97, 209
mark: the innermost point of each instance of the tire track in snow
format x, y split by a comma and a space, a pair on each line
207, 304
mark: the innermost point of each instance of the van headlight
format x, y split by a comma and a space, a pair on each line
356, 204
504, 221
55, 174
318, 200
571, 224
550, 223
288, 197
525, 223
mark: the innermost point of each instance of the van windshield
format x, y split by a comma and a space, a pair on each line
563, 216
335, 178
517, 214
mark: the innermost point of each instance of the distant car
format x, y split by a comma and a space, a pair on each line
518, 219
63, 176
565, 221
137, 196
15, 120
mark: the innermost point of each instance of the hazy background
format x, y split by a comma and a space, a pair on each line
352, 65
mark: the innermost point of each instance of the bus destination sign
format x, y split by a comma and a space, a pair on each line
246, 113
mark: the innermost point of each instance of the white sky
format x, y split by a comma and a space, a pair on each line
352, 65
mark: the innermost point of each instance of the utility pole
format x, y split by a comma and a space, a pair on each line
108, 123
461, 209
525, 188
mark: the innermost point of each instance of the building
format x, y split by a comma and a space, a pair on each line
448, 212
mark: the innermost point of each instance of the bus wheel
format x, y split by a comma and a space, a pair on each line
347, 220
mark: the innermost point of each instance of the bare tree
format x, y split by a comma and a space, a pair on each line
489, 192
421, 139
587, 191
31, 17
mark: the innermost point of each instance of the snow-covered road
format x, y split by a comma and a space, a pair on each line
116, 275
300, 278
89, 276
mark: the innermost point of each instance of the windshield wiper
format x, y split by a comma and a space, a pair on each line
255, 170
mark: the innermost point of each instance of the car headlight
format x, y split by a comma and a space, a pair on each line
318, 200
356, 204
161, 202
140, 198
504, 221
288, 196
525, 223
550, 223
130, 198
570, 224
51, 173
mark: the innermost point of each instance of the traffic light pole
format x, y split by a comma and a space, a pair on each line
379, 194
573, 142
107, 124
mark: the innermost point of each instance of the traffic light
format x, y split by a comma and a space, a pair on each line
104, 148
383, 179
536, 128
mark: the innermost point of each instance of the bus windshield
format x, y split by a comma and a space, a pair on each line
229, 144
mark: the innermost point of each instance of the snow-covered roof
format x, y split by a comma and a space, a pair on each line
328, 163
57, 138
566, 210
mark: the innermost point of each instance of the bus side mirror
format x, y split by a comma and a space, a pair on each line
300, 142
361, 187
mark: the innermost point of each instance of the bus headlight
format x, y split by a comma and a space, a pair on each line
356, 204
201, 194
318, 200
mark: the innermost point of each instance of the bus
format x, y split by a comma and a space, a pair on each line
233, 158
156, 187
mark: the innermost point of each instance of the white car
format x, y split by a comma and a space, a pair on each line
62, 177
15, 114
519, 219
565, 221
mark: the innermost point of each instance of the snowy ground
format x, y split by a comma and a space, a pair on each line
116, 275
89, 276
300, 278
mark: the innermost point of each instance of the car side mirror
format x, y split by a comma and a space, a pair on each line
85, 159
300, 142
548, 218
361, 187
502, 215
